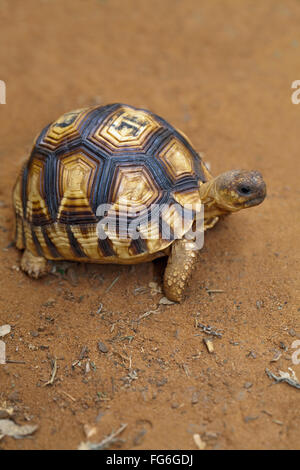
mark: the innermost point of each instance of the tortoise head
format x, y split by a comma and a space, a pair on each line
238, 189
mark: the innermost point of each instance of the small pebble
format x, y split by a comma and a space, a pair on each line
248, 385
162, 382
283, 346
49, 303
14, 396
250, 418
195, 398
34, 334
252, 354
102, 347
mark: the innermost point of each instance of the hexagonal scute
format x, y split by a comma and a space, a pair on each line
133, 190
177, 159
126, 127
65, 128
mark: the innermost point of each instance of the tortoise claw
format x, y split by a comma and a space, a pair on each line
34, 266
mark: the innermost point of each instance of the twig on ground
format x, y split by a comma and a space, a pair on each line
279, 379
105, 443
146, 314
11, 361
209, 330
113, 283
68, 395
53, 374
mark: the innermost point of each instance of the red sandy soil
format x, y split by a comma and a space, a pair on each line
222, 73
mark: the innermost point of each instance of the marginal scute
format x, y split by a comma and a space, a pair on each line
76, 175
36, 209
64, 128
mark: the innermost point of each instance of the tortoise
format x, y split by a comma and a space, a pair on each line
129, 159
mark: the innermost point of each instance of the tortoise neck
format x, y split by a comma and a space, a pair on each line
208, 196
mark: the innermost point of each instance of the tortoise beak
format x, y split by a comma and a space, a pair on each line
251, 188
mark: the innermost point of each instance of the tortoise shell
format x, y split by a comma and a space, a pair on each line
117, 155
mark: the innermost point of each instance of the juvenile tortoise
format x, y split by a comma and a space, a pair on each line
131, 160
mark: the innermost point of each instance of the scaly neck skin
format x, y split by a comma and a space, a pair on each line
209, 197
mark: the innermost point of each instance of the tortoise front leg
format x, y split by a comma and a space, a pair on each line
34, 266
181, 263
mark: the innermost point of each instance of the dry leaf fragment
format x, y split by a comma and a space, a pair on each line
105, 443
165, 301
155, 288
4, 330
198, 441
209, 344
276, 356
9, 428
89, 430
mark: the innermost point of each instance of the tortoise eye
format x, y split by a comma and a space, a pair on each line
244, 190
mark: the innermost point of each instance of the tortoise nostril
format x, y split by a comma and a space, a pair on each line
245, 190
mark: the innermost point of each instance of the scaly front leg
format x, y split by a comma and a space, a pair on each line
181, 263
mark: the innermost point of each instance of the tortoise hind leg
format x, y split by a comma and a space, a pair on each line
34, 266
181, 263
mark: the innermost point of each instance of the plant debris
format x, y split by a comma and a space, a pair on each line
83, 353
6, 413
198, 441
112, 284
89, 430
9, 428
215, 291
146, 314
209, 344
209, 330
155, 288
165, 301
276, 356
53, 373
4, 330
105, 443
284, 377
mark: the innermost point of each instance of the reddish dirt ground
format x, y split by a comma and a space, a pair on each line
222, 73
